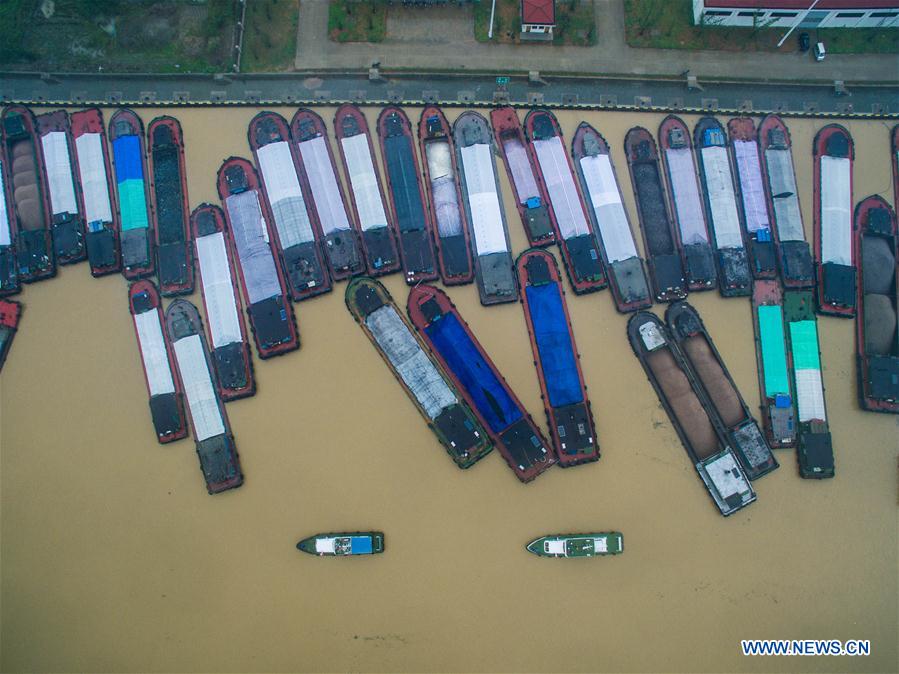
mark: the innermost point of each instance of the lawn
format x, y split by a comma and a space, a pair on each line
575, 22
270, 35
357, 21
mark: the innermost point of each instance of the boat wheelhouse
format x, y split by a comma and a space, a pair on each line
418, 372
406, 195
163, 385
569, 415
496, 280
341, 243
297, 234
265, 293
10, 312
567, 210
447, 210
577, 545
666, 266
835, 254
877, 332
206, 412
530, 196
687, 207
9, 277
716, 174
30, 207
795, 258
343, 544
698, 349
772, 352
366, 194
814, 447
691, 413
511, 428
66, 218
231, 358
96, 196
599, 181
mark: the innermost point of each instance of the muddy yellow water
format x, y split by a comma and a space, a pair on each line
114, 558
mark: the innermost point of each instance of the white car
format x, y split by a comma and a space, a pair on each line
820, 53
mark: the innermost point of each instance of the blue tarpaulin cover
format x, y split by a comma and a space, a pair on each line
360, 545
554, 344
127, 155
410, 212
464, 360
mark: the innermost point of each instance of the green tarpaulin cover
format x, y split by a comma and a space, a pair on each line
804, 336
774, 355
133, 204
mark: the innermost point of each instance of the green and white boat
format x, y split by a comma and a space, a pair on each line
578, 545
344, 544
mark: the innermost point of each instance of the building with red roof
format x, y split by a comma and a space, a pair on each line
538, 19
808, 14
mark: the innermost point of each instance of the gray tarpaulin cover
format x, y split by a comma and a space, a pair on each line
94, 181
284, 194
364, 182
836, 210
205, 415
749, 170
520, 166
563, 194
787, 215
687, 200
251, 238
58, 166
5, 234
483, 201
218, 292
323, 183
605, 198
722, 200
443, 188
153, 353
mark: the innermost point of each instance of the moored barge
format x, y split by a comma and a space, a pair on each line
690, 412
438, 159
795, 258
163, 385
666, 267
894, 149
496, 280
343, 544
221, 300
599, 181
734, 276
10, 312
66, 218
97, 197
366, 194
577, 545
265, 294
415, 368
512, 430
835, 254
687, 208
877, 336
206, 412
9, 277
530, 196
568, 412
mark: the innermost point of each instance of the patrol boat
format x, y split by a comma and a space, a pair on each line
343, 544
577, 545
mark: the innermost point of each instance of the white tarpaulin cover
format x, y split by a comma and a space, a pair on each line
218, 292
836, 210
722, 201
94, 181
563, 194
605, 198
810, 395
323, 183
205, 414
153, 353
253, 252
520, 167
410, 361
284, 194
483, 201
749, 169
5, 234
687, 199
782, 182
443, 188
555, 547
364, 182
59, 172
324, 545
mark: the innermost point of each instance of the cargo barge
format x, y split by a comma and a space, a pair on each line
530, 196
814, 446
716, 174
691, 414
773, 363
66, 219
666, 266
569, 415
126, 132
366, 193
10, 312
877, 337
96, 197
567, 210
438, 159
577, 545
341, 238
9, 277
164, 387
894, 148
206, 412
170, 207
418, 372
512, 430
30, 206
249, 233
686, 204
407, 196
221, 301
698, 349
795, 258
496, 280
343, 544
835, 254
599, 181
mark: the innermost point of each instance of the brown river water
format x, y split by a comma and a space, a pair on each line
114, 558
